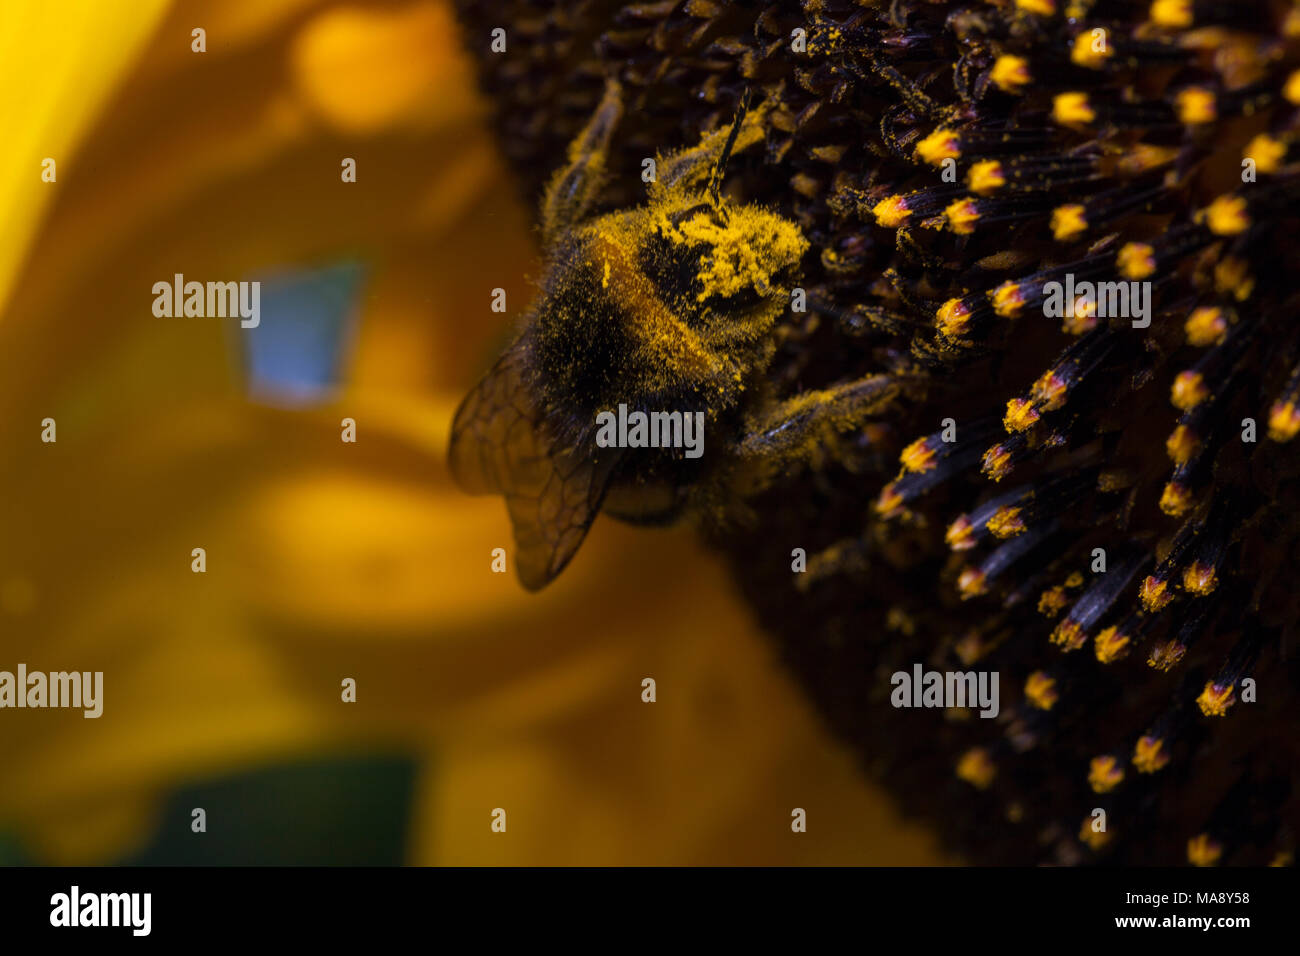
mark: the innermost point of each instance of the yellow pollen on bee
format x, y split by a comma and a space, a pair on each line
1266, 151
1075, 580
1176, 499
1110, 645
1008, 300
658, 333
940, 145
745, 250
1283, 421
1203, 851
1182, 445
1020, 415
1154, 594
1227, 216
1165, 655
1136, 260
1045, 8
1040, 691
891, 212
1068, 221
962, 216
1007, 522
1206, 326
1196, 106
1105, 774
1172, 14
1010, 73
1215, 700
986, 177
1149, 754
1189, 390
918, 456
976, 768
604, 279
1073, 109
1086, 53
1200, 578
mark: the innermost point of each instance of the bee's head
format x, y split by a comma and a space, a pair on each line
724, 271
669, 305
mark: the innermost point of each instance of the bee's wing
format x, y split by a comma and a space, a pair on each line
500, 445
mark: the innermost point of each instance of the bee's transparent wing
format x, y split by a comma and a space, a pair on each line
501, 445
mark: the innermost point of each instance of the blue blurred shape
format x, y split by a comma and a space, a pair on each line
295, 354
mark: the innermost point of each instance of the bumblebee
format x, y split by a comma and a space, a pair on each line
670, 306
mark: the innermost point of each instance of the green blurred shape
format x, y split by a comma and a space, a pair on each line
11, 851
337, 811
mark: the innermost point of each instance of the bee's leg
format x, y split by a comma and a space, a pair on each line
573, 189
702, 165
798, 430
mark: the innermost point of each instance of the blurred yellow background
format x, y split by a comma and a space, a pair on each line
328, 560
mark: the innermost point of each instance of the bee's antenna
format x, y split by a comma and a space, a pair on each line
715, 180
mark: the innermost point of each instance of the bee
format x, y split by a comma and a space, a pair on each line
666, 307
